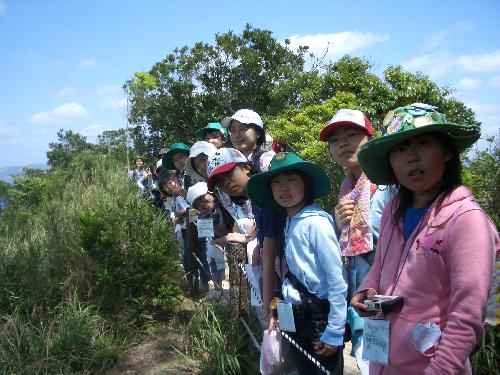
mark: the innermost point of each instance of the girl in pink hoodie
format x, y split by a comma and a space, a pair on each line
436, 248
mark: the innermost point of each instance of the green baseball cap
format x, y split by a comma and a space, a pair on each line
259, 189
200, 133
406, 122
174, 149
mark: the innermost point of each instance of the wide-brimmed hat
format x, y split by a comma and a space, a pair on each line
174, 149
200, 133
245, 116
197, 190
406, 122
346, 117
259, 189
200, 147
223, 160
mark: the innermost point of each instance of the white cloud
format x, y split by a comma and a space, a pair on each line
112, 103
467, 83
65, 93
484, 62
441, 63
433, 41
87, 64
336, 45
3, 8
434, 65
107, 90
495, 82
436, 40
65, 114
489, 115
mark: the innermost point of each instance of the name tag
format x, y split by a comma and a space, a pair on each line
285, 316
205, 228
376, 341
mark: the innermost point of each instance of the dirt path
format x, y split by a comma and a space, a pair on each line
154, 354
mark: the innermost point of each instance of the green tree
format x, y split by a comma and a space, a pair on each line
194, 86
482, 175
113, 143
62, 153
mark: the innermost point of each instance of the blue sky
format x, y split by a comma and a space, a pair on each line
63, 62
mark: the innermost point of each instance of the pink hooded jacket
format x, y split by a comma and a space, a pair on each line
445, 280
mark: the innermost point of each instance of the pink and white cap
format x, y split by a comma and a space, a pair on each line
222, 161
245, 116
346, 117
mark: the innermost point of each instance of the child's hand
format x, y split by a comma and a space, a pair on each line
357, 301
325, 350
343, 213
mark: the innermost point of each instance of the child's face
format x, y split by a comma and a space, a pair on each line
234, 182
139, 163
288, 191
200, 164
172, 187
244, 137
344, 144
419, 163
205, 203
215, 137
179, 160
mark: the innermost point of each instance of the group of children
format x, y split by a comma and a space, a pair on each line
404, 226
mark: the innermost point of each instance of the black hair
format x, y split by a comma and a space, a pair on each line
241, 200
165, 176
452, 177
306, 179
211, 131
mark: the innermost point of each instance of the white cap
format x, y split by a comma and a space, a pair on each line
196, 191
245, 116
200, 147
222, 161
159, 163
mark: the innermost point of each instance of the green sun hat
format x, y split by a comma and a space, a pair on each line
174, 149
200, 133
258, 187
407, 122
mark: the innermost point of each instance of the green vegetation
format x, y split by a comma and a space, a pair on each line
209, 340
84, 262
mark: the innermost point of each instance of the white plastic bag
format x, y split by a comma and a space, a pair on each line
271, 353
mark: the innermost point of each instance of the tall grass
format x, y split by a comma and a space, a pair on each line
82, 261
209, 341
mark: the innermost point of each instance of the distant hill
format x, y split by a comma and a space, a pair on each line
6, 173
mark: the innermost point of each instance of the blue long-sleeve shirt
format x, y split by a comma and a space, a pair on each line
313, 257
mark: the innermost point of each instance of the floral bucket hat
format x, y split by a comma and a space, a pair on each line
403, 123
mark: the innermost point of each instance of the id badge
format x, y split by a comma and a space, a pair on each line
285, 316
205, 228
376, 341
